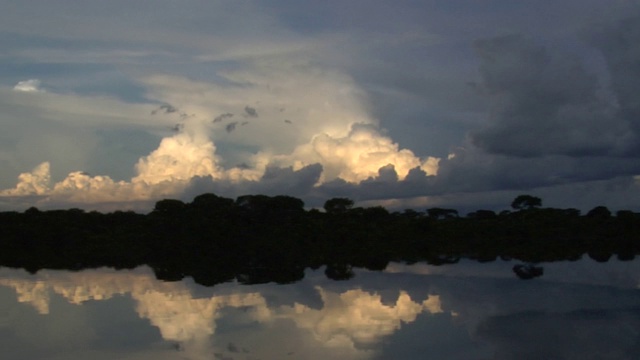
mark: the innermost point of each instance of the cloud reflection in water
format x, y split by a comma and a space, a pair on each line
463, 311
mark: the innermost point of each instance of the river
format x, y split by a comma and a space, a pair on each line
468, 310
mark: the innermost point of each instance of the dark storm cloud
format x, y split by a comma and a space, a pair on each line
477, 171
385, 185
544, 103
619, 43
474, 179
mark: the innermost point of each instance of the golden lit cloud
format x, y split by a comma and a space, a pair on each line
36, 182
178, 158
358, 155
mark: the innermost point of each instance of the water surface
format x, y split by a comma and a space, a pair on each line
577, 310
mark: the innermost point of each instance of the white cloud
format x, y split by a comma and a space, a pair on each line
36, 182
178, 158
357, 156
31, 85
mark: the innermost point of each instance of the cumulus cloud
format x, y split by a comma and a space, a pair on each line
357, 156
544, 103
36, 182
31, 85
178, 158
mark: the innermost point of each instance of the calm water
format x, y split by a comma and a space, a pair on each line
579, 310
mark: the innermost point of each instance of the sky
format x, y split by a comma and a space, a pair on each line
406, 104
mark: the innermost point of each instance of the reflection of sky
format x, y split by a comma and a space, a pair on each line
463, 311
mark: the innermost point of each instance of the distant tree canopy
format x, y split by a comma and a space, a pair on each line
599, 212
211, 202
439, 213
338, 205
522, 202
482, 214
260, 238
168, 206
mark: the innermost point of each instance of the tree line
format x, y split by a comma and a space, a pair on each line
259, 238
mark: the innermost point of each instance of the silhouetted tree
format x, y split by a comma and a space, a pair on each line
522, 202
482, 214
626, 215
211, 202
168, 206
338, 205
254, 202
411, 214
32, 211
571, 212
599, 212
290, 204
439, 213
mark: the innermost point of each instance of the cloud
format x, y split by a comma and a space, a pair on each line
31, 85
544, 103
250, 112
166, 108
178, 158
270, 181
230, 127
618, 41
372, 117
36, 182
222, 117
334, 136
357, 156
